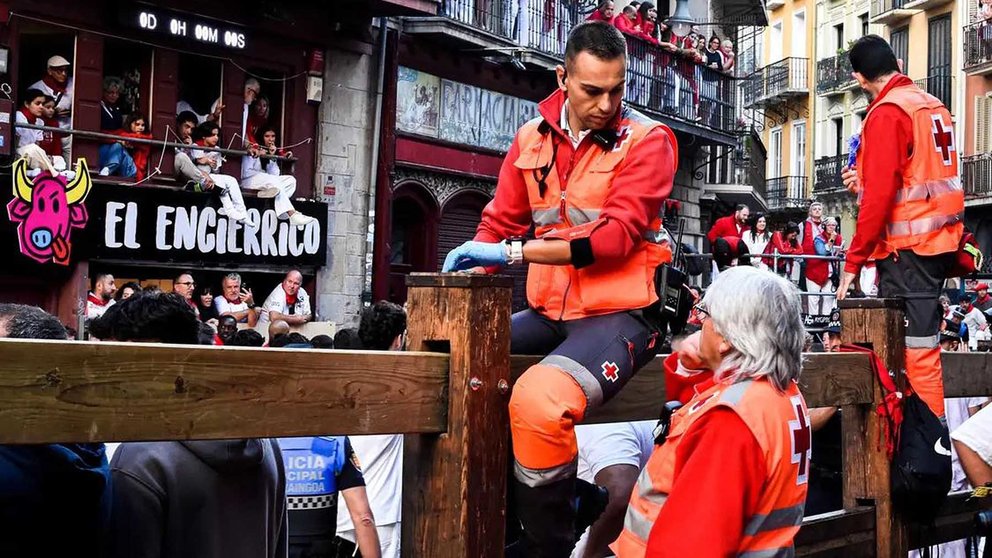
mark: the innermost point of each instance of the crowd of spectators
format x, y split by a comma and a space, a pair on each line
197, 167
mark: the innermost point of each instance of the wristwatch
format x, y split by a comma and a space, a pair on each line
514, 250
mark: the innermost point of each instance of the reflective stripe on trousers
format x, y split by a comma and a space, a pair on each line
930, 188
543, 477
922, 226
582, 376
925, 342
776, 519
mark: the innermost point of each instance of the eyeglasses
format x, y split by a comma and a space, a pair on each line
703, 312
187, 283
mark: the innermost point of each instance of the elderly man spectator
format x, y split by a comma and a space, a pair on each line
278, 327
41, 486
57, 84
102, 296
809, 231
237, 302
731, 477
382, 328
114, 157
288, 302
191, 499
184, 286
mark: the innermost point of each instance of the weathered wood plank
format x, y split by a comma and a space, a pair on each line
828, 380
967, 374
850, 534
454, 497
71, 391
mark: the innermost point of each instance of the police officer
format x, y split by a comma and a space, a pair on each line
590, 174
317, 469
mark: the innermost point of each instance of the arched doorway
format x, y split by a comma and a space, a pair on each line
413, 236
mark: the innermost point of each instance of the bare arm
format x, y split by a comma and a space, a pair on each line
819, 416
552, 252
291, 319
366, 536
975, 468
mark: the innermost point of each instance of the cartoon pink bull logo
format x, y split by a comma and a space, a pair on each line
46, 211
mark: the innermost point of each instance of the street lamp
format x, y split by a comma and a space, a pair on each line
681, 21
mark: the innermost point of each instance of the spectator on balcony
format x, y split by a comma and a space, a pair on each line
127, 290
710, 108
757, 238
731, 225
134, 127
184, 286
603, 12
729, 58
29, 141
114, 157
58, 85
288, 302
982, 299
647, 27
204, 299
784, 242
208, 163
258, 118
102, 296
236, 301
260, 172
54, 144
626, 20
819, 272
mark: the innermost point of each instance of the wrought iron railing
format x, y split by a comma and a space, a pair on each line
674, 85
977, 174
494, 16
977, 44
787, 192
833, 73
745, 165
786, 76
940, 86
879, 7
827, 173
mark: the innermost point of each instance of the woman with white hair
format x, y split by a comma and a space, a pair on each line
818, 272
731, 477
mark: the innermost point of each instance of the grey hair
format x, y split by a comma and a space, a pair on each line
829, 221
20, 321
233, 277
815, 204
253, 81
111, 82
758, 314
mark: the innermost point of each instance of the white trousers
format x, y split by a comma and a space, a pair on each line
285, 184
230, 196
816, 304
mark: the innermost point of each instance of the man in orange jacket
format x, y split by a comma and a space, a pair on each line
912, 205
590, 174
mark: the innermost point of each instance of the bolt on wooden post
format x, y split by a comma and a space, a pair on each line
454, 484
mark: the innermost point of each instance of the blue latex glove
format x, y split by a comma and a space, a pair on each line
853, 144
474, 254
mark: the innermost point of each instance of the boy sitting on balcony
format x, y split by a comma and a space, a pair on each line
28, 140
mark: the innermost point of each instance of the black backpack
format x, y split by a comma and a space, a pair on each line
921, 467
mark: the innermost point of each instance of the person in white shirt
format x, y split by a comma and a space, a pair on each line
288, 302
611, 455
27, 140
975, 321
757, 239
382, 328
101, 297
209, 163
267, 181
236, 302
58, 85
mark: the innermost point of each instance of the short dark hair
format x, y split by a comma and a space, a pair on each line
133, 285
598, 38
180, 274
30, 322
740, 206
99, 277
247, 338
134, 117
280, 340
872, 57
31, 94
205, 334
380, 325
187, 116
160, 317
322, 342
347, 338
206, 129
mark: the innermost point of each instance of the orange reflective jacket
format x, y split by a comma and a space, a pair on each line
929, 207
572, 210
780, 424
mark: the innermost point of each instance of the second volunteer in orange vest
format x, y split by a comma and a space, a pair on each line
910, 219
731, 477
591, 175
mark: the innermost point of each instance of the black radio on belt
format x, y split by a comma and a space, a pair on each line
670, 286
665, 421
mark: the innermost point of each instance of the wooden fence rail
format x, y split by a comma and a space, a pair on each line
449, 397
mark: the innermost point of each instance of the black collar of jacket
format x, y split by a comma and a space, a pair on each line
606, 138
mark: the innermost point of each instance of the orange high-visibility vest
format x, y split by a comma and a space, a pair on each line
562, 292
929, 207
780, 424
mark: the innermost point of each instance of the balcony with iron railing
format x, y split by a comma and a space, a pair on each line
978, 49
827, 174
889, 12
833, 75
740, 177
940, 86
777, 83
976, 175
787, 193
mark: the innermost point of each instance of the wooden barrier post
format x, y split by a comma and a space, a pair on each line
880, 325
454, 484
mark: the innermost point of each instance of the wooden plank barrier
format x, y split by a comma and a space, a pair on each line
450, 398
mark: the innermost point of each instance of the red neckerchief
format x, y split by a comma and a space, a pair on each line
27, 114
982, 299
200, 142
54, 85
97, 300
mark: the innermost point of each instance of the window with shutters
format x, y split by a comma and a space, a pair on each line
983, 124
900, 46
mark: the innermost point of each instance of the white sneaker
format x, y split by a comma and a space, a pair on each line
33, 173
105, 171
300, 220
238, 215
58, 163
268, 192
222, 212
